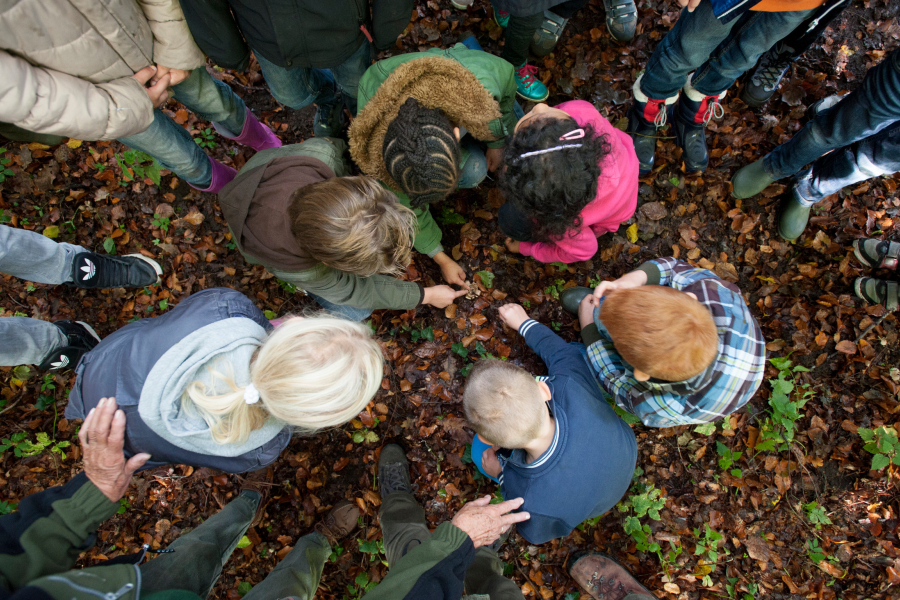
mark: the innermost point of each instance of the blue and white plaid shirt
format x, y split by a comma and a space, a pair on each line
724, 387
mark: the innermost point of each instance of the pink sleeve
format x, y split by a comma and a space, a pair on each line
572, 248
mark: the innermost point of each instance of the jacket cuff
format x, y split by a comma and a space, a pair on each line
437, 250
421, 295
501, 143
652, 272
130, 109
90, 504
525, 248
590, 334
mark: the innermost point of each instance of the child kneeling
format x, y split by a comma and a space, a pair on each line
557, 442
673, 344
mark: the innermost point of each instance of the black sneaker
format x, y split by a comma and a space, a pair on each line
765, 79
98, 271
80, 339
393, 471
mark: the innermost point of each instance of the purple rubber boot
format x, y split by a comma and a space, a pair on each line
221, 176
255, 134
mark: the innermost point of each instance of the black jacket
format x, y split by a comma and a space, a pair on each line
319, 34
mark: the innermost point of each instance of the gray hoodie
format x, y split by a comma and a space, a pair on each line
147, 366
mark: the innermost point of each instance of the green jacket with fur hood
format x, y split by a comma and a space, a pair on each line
476, 90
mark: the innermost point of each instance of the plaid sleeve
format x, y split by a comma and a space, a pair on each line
613, 376
677, 273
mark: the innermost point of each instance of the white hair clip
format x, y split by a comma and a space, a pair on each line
546, 150
251, 394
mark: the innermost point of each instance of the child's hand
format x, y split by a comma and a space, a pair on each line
494, 158
586, 310
490, 463
512, 245
513, 315
450, 269
628, 280
442, 296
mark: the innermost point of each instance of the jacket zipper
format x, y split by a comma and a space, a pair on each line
105, 596
815, 21
733, 8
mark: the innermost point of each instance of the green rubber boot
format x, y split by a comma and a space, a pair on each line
793, 219
750, 180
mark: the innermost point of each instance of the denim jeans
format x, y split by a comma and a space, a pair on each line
302, 86
871, 108
25, 341
403, 527
348, 312
873, 156
34, 257
172, 145
717, 52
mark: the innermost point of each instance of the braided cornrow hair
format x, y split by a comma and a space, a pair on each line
421, 153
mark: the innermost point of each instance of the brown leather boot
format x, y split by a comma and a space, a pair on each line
259, 481
605, 579
340, 521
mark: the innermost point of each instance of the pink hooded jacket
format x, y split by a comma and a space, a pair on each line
616, 200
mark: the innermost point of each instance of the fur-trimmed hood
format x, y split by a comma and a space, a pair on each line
441, 80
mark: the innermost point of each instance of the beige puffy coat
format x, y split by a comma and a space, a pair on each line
66, 65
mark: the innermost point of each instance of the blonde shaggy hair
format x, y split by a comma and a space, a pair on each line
503, 404
312, 373
354, 225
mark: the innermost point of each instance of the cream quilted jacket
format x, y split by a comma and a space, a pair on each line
66, 65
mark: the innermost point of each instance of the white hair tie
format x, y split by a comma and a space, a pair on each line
251, 394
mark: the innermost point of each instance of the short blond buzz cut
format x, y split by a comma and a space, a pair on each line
503, 404
661, 331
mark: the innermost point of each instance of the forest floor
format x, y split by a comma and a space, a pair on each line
713, 513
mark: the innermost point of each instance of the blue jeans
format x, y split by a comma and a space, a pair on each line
348, 312
717, 52
870, 109
172, 145
302, 86
873, 156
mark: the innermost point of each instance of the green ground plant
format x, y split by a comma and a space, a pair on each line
788, 397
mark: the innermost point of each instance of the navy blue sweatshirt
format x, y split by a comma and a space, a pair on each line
589, 465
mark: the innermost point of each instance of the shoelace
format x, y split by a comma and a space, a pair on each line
393, 478
769, 72
715, 110
527, 73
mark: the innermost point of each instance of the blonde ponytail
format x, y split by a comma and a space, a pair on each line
312, 373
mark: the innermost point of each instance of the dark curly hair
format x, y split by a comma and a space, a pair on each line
552, 188
422, 153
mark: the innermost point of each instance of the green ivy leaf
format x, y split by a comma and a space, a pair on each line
487, 278
880, 461
109, 245
705, 429
244, 542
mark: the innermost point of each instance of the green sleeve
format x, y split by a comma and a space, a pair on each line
590, 334
50, 530
448, 544
507, 103
428, 237
375, 292
652, 272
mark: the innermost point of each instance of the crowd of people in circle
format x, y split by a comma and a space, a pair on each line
214, 383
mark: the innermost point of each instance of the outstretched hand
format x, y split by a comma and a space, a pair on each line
485, 522
690, 4
442, 296
102, 437
513, 315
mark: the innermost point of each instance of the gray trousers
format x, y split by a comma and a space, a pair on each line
403, 527
200, 555
31, 256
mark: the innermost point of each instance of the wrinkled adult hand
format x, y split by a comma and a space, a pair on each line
513, 315
176, 76
441, 296
690, 4
102, 437
494, 158
485, 522
512, 245
450, 269
158, 91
